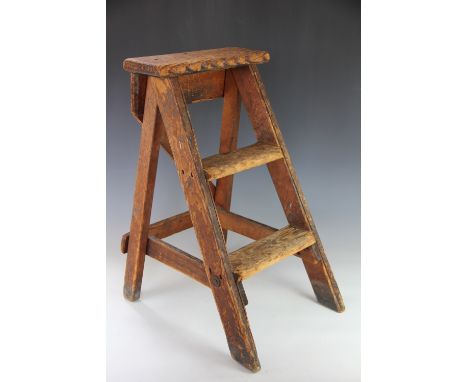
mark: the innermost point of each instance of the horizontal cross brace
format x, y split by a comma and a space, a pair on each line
163, 228
177, 259
254, 230
196, 87
243, 226
186, 263
229, 221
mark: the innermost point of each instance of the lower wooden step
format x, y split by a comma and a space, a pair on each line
262, 253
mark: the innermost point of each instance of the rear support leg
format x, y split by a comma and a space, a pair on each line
228, 143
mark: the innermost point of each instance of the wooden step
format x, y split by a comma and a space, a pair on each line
262, 253
221, 165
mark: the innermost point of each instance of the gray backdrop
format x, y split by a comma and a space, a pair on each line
313, 81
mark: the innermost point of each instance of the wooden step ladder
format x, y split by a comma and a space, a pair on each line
161, 88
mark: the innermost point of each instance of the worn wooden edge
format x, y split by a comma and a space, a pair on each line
163, 228
138, 84
263, 253
124, 243
242, 293
177, 259
143, 65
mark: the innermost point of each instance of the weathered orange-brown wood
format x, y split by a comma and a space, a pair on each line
265, 252
251, 228
176, 64
137, 95
144, 187
161, 88
228, 141
205, 221
198, 87
163, 228
228, 220
244, 226
177, 259
167, 147
137, 105
165, 143
222, 165
287, 186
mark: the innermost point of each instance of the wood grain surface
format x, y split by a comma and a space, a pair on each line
228, 139
163, 228
151, 132
176, 64
161, 88
265, 252
177, 259
221, 165
205, 222
244, 226
287, 186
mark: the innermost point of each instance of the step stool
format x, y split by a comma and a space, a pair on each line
161, 88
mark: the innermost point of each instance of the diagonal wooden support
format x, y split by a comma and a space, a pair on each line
177, 259
205, 221
287, 186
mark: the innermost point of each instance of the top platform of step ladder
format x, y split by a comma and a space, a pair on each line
176, 64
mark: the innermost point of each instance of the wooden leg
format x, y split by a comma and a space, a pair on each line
205, 221
287, 186
144, 187
228, 142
